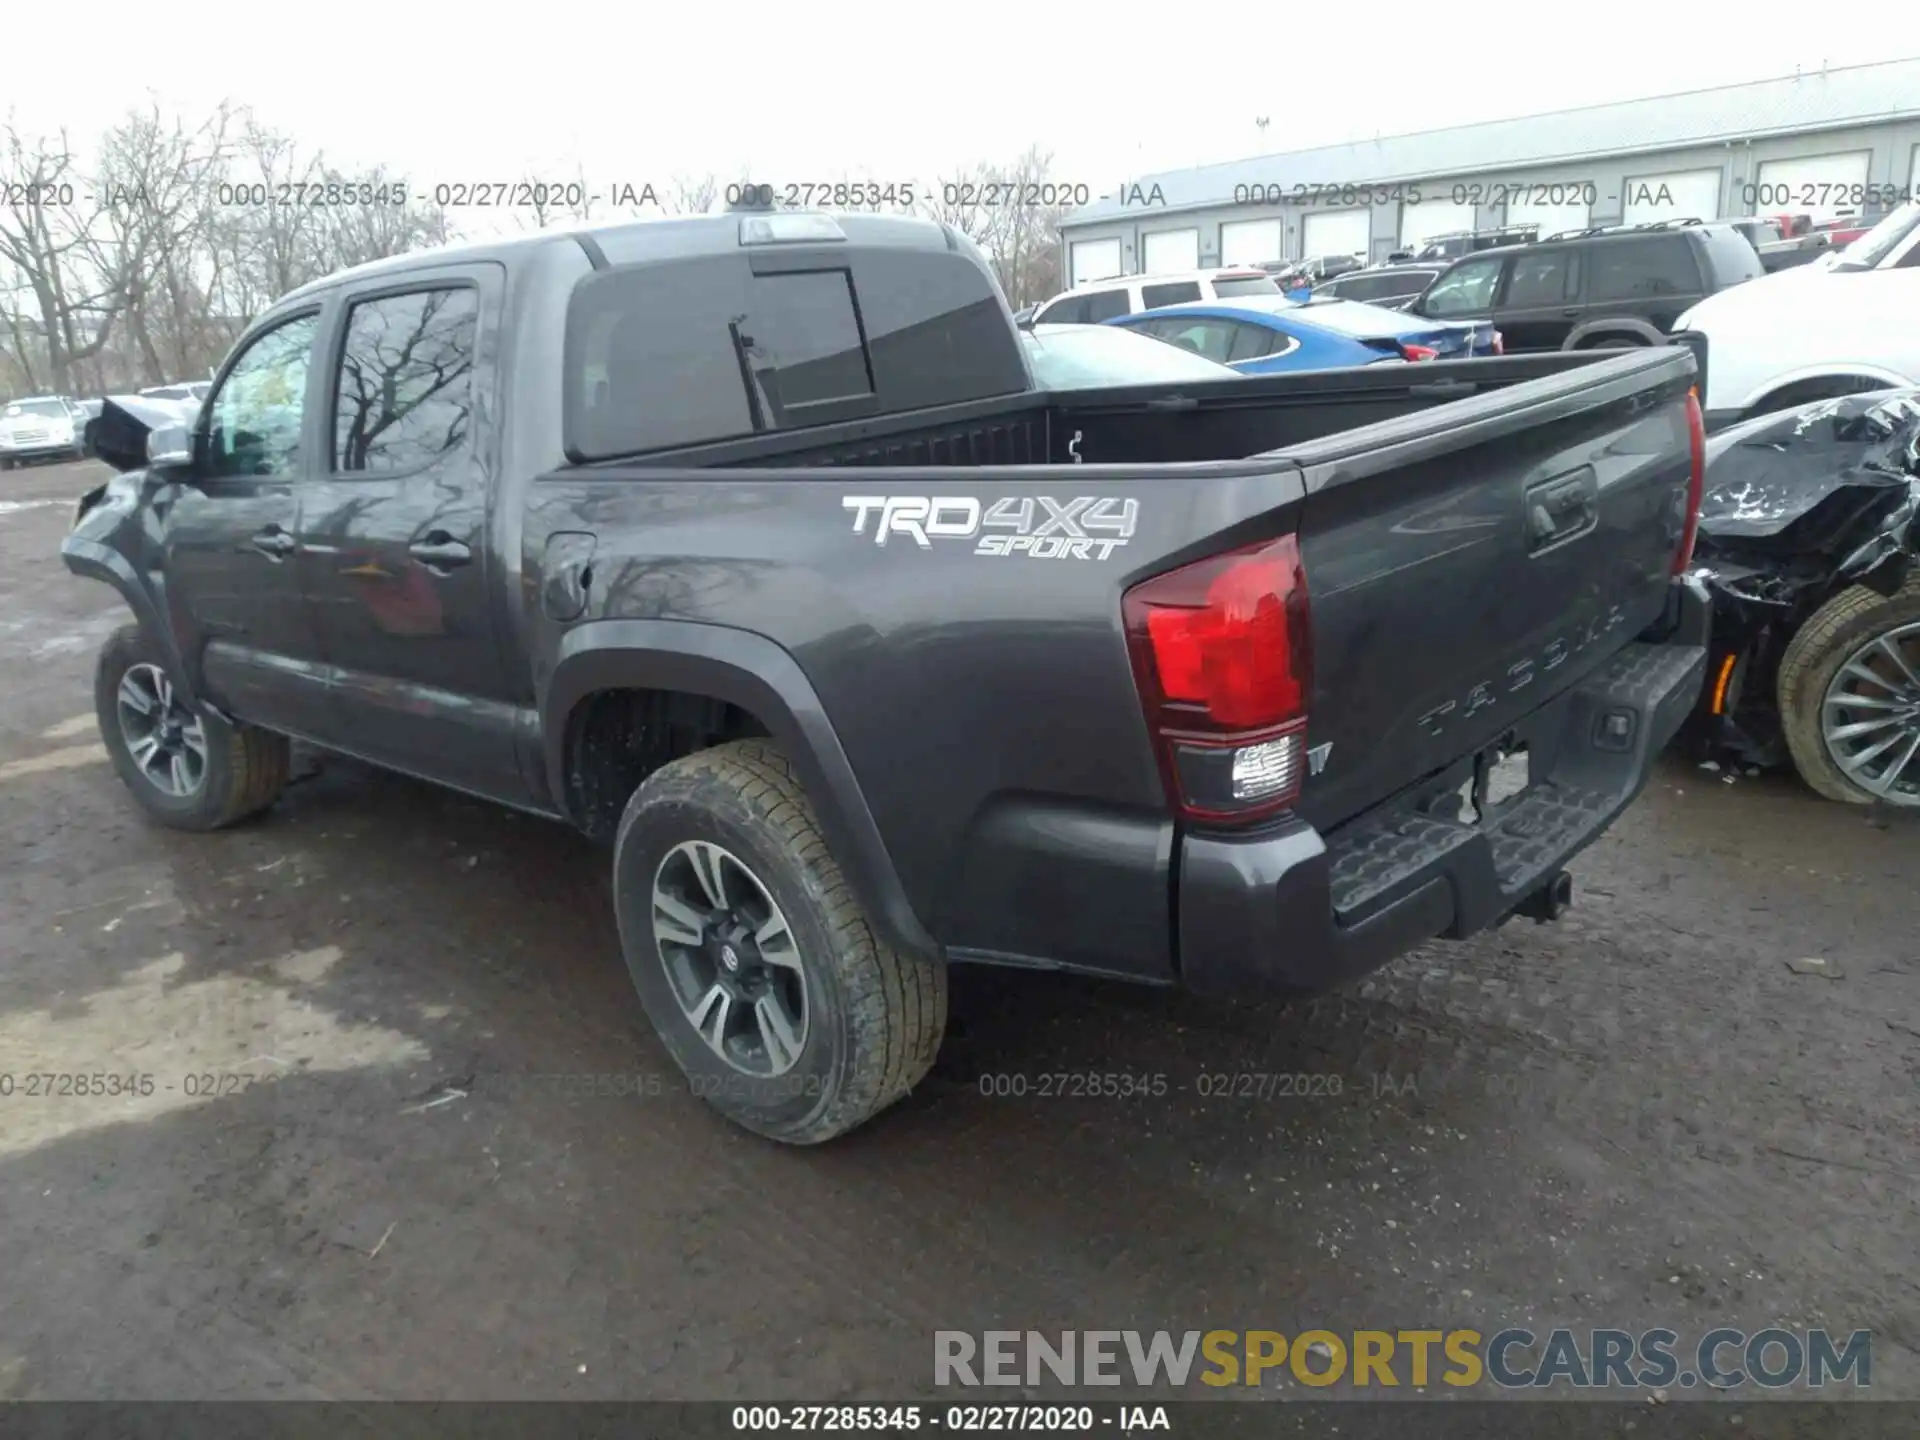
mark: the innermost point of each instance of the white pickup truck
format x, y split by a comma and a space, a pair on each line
1846, 322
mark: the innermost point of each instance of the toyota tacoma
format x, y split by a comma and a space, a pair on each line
748, 544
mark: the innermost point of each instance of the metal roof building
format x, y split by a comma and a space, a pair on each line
1826, 142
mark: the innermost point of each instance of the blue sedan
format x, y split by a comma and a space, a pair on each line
1268, 334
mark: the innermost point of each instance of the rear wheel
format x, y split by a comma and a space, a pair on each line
188, 769
755, 962
1850, 697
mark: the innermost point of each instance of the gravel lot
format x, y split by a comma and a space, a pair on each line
1638, 1117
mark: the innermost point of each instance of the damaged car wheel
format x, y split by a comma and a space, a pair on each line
1850, 697
188, 769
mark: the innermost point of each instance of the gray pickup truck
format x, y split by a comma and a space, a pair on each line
748, 543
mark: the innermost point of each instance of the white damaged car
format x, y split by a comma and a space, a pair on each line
1844, 323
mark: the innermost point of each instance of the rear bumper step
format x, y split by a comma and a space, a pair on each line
1291, 911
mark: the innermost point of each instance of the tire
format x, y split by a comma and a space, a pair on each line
873, 1016
243, 770
1596, 342
1813, 657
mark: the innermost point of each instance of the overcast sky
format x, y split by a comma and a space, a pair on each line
638, 93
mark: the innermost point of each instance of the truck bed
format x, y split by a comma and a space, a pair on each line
1224, 420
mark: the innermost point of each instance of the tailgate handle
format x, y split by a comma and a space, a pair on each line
1561, 509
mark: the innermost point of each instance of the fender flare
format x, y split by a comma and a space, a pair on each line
1623, 324
1825, 371
751, 671
92, 560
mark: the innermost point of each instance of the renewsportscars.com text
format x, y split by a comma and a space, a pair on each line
1511, 1358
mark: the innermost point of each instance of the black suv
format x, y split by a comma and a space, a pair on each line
1623, 285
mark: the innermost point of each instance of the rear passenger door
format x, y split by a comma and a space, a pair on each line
1536, 308
1654, 278
394, 531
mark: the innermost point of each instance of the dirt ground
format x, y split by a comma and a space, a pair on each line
377, 1159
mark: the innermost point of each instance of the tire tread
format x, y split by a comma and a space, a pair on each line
896, 1002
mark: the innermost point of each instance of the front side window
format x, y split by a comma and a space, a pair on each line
1466, 289
1106, 304
404, 391
254, 419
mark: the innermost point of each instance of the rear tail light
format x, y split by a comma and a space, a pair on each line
1418, 352
1696, 481
1222, 656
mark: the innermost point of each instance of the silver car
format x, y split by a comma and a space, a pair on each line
41, 427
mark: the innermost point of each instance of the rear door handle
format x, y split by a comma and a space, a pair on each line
438, 550
275, 543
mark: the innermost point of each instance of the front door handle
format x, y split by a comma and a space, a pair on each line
275, 543
1572, 314
438, 550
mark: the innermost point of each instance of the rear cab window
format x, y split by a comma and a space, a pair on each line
695, 349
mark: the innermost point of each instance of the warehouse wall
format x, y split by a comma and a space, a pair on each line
1893, 163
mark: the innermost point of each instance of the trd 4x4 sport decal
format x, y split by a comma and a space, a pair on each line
1085, 528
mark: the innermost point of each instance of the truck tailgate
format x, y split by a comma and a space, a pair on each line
1468, 563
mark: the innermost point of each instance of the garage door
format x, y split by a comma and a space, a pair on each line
1167, 251
1337, 232
1430, 218
1677, 195
1248, 242
1818, 186
1095, 260
1552, 207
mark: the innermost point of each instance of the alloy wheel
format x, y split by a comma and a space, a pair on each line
731, 958
162, 734
1870, 717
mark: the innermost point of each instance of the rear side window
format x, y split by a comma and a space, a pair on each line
702, 349
1175, 293
1244, 285
1730, 257
1539, 277
404, 393
1105, 304
1644, 269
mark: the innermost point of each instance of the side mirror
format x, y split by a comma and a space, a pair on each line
170, 445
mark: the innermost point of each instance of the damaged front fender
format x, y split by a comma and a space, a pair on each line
110, 540
1799, 506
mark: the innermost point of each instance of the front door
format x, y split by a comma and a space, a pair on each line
228, 524
394, 532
